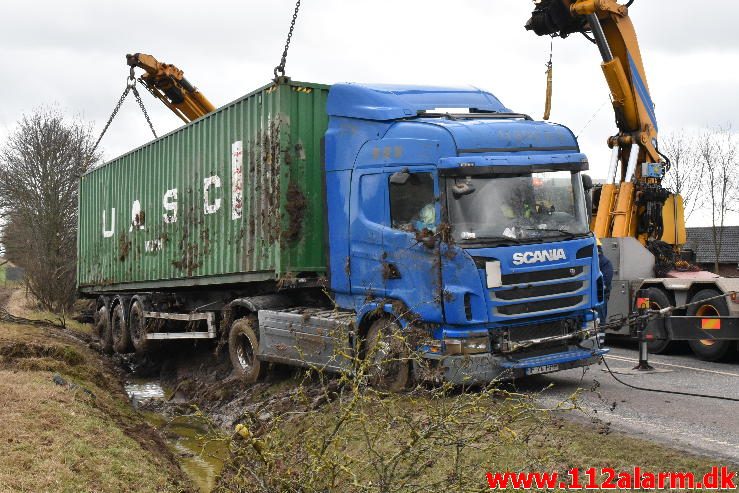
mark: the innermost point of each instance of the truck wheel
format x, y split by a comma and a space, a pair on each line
388, 355
119, 329
138, 328
243, 345
658, 300
96, 326
102, 329
709, 349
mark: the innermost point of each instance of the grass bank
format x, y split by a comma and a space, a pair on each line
66, 424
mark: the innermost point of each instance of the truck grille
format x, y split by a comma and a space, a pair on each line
540, 306
538, 291
526, 293
538, 331
541, 276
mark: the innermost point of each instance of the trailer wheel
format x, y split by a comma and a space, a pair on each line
243, 345
709, 349
658, 300
138, 327
119, 329
103, 331
388, 355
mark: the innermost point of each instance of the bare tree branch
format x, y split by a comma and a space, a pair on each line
40, 165
685, 176
718, 153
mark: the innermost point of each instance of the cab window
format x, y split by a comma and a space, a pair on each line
413, 202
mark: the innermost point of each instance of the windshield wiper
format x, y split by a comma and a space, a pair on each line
497, 239
559, 231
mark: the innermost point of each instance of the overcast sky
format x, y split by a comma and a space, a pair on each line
71, 54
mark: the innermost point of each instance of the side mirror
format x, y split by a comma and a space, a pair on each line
461, 189
587, 184
400, 177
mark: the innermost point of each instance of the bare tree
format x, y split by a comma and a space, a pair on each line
40, 165
685, 176
718, 153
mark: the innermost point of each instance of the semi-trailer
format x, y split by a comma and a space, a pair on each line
306, 221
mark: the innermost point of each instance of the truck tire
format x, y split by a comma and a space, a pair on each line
388, 355
138, 328
658, 300
96, 325
243, 345
102, 329
119, 330
707, 349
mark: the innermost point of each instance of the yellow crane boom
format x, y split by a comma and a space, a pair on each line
632, 202
168, 84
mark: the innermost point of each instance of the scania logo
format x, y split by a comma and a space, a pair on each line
539, 256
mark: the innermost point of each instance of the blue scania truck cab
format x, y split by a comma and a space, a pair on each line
449, 211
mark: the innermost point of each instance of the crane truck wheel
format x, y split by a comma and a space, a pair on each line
658, 300
243, 345
708, 349
119, 328
102, 329
387, 355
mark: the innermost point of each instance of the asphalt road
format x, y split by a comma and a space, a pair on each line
704, 426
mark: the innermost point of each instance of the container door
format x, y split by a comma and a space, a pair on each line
410, 263
368, 221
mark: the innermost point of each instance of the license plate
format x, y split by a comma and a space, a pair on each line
538, 370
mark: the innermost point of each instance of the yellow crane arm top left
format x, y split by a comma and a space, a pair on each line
168, 84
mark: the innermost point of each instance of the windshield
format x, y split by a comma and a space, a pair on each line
531, 207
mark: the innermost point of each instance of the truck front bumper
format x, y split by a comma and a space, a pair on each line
485, 368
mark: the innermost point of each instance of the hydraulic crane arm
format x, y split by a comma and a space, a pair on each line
168, 84
631, 204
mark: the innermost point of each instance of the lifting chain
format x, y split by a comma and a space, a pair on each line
130, 86
143, 109
548, 103
281, 67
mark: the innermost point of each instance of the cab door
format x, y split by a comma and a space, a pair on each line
411, 260
368, 223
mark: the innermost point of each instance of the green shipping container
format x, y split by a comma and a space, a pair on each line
236, 196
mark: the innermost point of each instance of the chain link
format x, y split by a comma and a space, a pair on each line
130, 87
281, 67
143, 109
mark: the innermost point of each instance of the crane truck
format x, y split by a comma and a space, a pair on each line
315, 225
641, 224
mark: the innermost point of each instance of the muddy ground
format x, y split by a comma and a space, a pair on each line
291, 413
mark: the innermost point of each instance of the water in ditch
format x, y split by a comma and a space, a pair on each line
200, 450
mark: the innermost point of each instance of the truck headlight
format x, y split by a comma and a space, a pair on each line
473, 345
453, 346
476, 345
